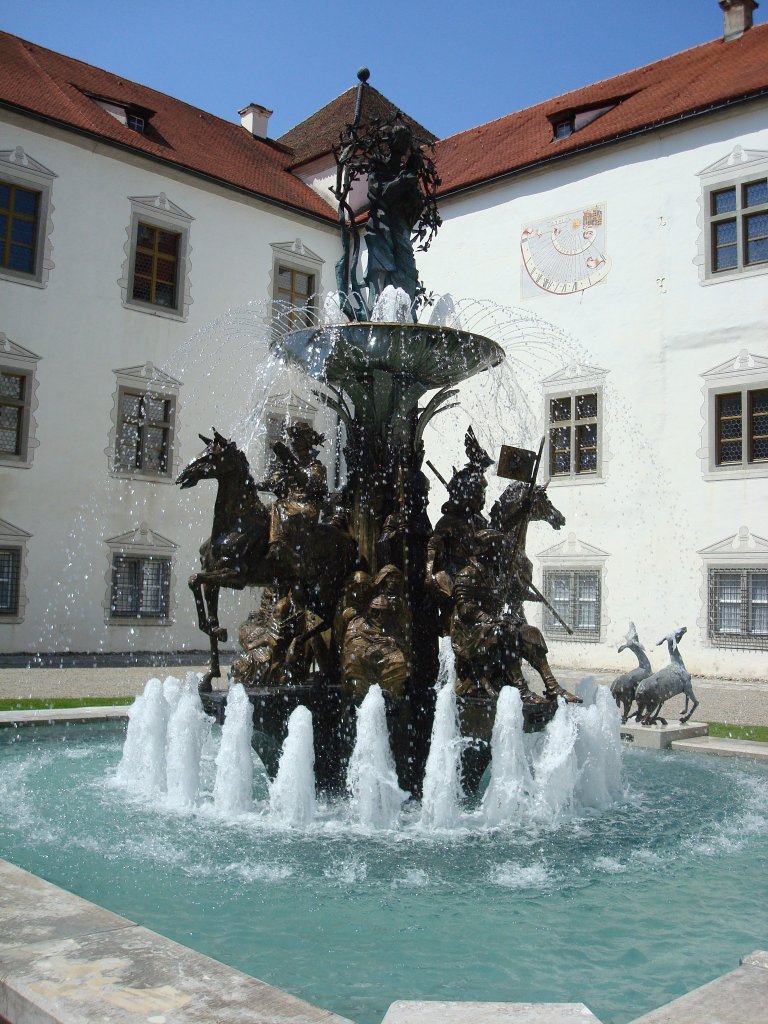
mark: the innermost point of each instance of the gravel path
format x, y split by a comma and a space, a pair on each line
721, 700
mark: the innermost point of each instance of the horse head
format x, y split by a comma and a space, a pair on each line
219, 459
510, 506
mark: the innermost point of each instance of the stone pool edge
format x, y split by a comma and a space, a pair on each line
65, 959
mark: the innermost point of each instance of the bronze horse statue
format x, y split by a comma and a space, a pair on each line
238, 553
235, 555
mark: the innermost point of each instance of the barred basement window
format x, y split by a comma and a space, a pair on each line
156, 266
144, 433
140, 587
10, 580
573, 434
575, 596
738, 608
741, 427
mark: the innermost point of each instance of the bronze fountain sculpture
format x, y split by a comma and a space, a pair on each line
358, 586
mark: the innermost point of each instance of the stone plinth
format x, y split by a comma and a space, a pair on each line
739, 997
660, 737
407, 1012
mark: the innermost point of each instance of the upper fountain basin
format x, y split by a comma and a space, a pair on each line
434, 355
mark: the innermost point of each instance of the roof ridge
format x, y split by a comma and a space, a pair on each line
598, 82
123, 79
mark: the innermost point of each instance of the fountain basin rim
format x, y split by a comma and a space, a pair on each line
434, 355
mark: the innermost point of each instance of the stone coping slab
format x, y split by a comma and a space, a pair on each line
739, 997
64, 960
723, 747
436, 1012
658, 736
39, 716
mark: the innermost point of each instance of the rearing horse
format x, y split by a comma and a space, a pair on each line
235, 555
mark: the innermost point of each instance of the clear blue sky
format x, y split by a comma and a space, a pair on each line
449, 65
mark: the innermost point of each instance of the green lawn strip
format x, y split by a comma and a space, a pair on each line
759, 733
47, 703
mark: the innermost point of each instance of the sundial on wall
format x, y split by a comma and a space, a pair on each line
564, 254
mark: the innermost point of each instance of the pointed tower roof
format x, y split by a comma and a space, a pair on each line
319, 133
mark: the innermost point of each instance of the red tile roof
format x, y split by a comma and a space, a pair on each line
59, 88
320, 132
690, 82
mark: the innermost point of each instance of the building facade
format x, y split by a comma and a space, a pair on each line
615, 239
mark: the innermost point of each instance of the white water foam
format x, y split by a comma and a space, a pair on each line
188, 730
233, 787
292, 794
142, 767
442, 793
511, 785
375, 796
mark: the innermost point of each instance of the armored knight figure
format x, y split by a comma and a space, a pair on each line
450, 546
376, 644
274, 651
298, 480
485, 640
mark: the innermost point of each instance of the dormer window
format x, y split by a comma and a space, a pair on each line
135, 122
562, 129
132, 116
566, 122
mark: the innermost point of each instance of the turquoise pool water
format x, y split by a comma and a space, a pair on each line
623, 910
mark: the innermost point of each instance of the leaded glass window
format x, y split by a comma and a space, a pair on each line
573, 434
741, 427
145, 424
738, 226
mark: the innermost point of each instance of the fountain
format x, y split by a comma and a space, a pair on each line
384, 808
358, 586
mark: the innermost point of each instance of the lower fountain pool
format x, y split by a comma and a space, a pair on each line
623, 909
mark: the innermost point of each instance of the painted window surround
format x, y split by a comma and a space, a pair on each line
296, 256
159, 212
739, 166
741, 551
746, 372
573, 554
140, 543
17, 359
19, 168
151, 381
569, 382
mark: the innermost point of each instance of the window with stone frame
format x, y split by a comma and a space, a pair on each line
144, 441
140, 587
735, 428
738, 607
25, 218
575, 596
734, 217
